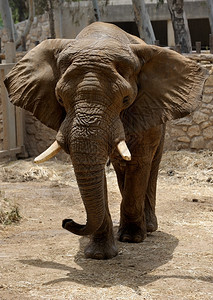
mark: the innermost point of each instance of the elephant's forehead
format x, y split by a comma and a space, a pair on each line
88, 48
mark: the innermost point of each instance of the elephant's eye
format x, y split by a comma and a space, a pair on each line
126, 100
60, 101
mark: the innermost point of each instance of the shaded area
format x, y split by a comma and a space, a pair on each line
132, 267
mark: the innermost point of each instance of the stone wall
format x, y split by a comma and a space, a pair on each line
1, 124
39, 137
39, 31
196, 130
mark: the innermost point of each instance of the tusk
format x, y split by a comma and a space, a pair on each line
123, 150
49, 153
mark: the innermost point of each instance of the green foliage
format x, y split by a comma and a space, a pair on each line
19, 10
1, 22
159, 3
41, 6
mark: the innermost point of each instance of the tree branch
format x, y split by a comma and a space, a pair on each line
143, 21
29, 23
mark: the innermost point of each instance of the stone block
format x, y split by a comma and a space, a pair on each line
181, 145
207, 106
176, 132
208, 132
30, 130
193, 130
209, 81
187, 121
197, 142
209, 145
206, 124
199, 117
207, 98
184, 139
205, 111
208, 89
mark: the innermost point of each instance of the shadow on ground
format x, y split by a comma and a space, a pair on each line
133, 267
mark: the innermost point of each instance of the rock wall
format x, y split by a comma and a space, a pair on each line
39, 137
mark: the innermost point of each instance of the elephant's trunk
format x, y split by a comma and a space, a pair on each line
92, 192
92, 137
89, 146
89, 158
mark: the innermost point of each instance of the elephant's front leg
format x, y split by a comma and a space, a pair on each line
150, 201
133, 180
137, 182
102, 242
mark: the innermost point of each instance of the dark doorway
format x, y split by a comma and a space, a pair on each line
200, 30
159, 27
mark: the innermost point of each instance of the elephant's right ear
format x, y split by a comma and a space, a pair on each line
169, 87
32, 81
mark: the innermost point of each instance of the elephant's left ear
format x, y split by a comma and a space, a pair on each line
170, 87
31, 83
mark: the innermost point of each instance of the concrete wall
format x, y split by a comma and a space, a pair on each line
73, 17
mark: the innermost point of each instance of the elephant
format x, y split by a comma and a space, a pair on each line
108, 95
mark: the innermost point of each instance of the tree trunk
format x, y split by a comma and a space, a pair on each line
180, 25
143, 22
96, 10
7, 19
51, 19
210, 6
29, 23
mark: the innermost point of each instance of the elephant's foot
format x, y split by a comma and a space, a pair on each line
151, 222
131, 233
100, 248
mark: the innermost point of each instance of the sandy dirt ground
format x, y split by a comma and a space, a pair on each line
40, 260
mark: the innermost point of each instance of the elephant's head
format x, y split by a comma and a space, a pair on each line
97, 90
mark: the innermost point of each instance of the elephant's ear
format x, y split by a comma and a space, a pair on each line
170, 87
31, 83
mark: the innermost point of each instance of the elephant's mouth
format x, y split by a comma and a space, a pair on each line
55, 148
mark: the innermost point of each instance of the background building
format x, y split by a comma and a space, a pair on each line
72, 17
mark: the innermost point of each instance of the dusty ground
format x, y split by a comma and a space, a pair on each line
40, 260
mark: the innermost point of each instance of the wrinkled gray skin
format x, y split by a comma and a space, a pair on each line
97, 90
